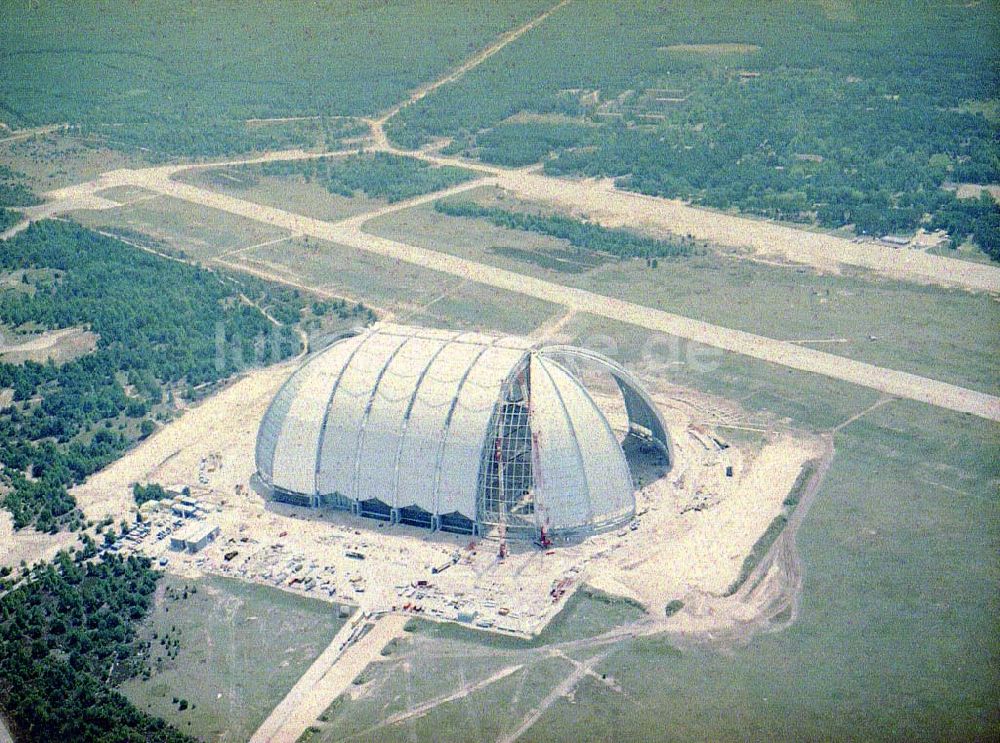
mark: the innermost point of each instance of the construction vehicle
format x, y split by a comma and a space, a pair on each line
442, 567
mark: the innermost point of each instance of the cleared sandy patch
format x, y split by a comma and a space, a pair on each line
974, 190
28, 544
693, 531
212, 426
58, 345
698, 524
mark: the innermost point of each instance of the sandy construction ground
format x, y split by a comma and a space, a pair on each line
673, 554
172, 456
29, 545
673, 550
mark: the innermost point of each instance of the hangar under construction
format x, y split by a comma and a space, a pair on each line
457, 431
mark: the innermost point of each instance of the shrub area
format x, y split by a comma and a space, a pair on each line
377, 175
8, 218
189, 87
67, 635
171, 137
13, 192
580, 234
163, 328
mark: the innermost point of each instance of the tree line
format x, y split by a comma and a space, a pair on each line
378, 175
580, 234
163, 328
13, 190
68, 636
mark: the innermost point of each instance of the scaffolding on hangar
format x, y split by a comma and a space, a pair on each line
455, 431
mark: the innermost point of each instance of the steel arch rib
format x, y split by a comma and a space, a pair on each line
409, 409
622, 376
447, 428
571, 428
582, 389
294, 378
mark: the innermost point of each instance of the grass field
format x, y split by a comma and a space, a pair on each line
808, 401
241, 648
290, 193
411, 293
182, 228
528, 252
435, 661
940, 333
895, 639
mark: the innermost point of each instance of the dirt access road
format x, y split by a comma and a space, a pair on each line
326, 679
349, 233
607, 205
603, 202
474, 61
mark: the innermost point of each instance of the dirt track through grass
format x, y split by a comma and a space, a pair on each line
324, 681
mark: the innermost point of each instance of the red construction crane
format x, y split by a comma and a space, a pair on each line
501, 504
543, 540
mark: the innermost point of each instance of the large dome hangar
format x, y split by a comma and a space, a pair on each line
458, 431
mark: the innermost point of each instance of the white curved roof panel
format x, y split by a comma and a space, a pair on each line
404, 415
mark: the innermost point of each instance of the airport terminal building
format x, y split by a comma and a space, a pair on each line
463, 432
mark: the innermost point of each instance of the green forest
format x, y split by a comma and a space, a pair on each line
854, 116
67, 638
13, 190
167, 139
8, 218
168, 79
580, 234
163, 328
378, 175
